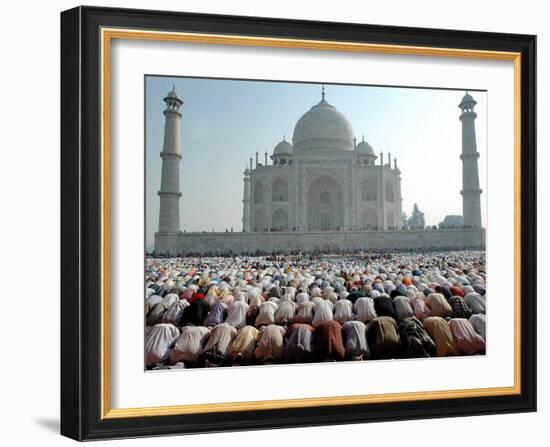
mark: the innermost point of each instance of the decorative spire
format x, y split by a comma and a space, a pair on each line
284, 137
323, 93
363, 138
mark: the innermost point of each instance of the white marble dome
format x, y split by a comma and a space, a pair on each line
364, 148
323, 129
283, 148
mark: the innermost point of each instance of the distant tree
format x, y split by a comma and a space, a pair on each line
416, 221
404, 220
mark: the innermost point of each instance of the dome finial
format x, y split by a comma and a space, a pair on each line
323, 93
363, 137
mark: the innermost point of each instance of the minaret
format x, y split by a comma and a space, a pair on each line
169, 214
246, 201
471, 208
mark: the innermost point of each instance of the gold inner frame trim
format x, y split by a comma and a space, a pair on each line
107, 35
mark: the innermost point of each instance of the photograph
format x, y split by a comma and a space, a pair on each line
280, 222
306, 222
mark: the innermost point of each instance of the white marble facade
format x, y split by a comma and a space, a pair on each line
323, 181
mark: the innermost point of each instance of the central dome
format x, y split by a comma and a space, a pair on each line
323, 129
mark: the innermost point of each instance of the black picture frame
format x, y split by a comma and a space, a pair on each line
81, 224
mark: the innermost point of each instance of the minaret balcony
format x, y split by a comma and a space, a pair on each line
170, 154
169, 193
472, 155
471, 192
470, 115
171, 111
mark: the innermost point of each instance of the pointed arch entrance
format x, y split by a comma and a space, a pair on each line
325, 210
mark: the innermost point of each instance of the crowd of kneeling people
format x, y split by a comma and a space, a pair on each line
229, 311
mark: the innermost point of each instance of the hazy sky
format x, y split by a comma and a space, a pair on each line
226, 121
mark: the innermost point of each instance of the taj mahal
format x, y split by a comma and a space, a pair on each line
323, 181
323, 190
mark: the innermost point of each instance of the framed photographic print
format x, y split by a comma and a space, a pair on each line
277, 223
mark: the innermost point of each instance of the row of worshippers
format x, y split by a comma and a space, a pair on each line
456, 273
311, 311
253, 309
381, 338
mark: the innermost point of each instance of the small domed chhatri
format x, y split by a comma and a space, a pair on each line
282, 154
365, 154
172, 94
467, 103
364, 148
283, 148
